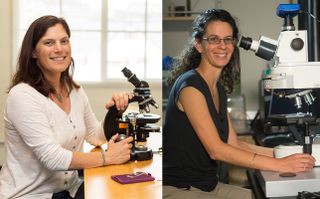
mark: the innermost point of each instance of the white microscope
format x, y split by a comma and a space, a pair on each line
290, 76
289, 71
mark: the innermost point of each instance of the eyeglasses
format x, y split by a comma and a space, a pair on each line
217, 40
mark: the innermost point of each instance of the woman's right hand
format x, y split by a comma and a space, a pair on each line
118, 152
295, 163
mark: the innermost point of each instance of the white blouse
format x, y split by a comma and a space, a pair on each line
39, 140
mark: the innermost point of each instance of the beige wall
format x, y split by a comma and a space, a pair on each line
5, 54
5, 60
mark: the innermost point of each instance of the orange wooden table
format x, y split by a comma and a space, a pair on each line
99, 185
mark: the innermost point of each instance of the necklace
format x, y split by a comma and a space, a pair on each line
59, 97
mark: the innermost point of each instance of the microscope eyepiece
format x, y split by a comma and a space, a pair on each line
264, 48
245, 42
132, 78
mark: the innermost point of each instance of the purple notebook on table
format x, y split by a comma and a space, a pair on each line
133, 177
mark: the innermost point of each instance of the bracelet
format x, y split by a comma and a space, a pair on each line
103, 153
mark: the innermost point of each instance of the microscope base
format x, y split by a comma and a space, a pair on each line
141, 155
274, 186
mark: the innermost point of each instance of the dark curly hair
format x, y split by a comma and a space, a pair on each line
27, 69
190, 58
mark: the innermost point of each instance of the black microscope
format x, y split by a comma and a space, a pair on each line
134, 124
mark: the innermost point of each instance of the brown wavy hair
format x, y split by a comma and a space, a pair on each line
28, 70
190, 58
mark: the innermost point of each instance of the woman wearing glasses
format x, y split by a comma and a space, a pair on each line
198, 131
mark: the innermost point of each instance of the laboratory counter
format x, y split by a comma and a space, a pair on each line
99, 184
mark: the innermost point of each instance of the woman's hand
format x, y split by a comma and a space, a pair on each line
298, 162
118, 152
120, 100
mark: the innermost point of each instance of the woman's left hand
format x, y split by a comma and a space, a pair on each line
120, 100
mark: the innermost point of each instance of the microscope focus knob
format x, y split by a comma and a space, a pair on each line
297, 44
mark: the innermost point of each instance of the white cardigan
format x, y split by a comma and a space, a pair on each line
39, 140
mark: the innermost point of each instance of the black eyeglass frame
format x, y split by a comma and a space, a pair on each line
217, 40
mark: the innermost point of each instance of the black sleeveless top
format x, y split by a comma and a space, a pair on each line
185, 161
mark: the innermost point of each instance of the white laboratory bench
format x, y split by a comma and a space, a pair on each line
275, 186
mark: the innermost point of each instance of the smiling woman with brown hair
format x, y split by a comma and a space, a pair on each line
47, 119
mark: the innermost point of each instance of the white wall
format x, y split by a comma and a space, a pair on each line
255, 18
